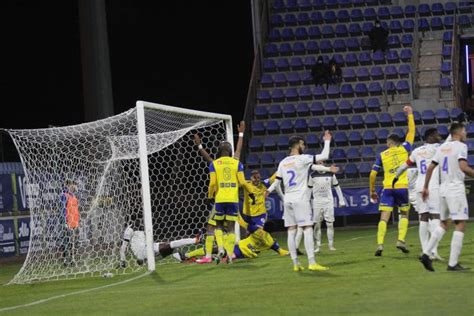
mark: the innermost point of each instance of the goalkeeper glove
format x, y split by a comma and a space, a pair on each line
394, 181
252, 197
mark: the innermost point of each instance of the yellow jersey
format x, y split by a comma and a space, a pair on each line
224, 182
390, 160
258, 208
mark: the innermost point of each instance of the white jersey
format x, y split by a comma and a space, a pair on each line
422, 157
447, 157
412, 174
128, 233
293, 171
321, 184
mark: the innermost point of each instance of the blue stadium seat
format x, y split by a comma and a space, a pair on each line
298, 48
301, 34
355, 29
385, 119
470, 161
389, 88
407, 40
303, 18
382, 135
293, 79
301, 126
282, 64
380, 149
351, 60
399, 119
279, 156
306, 78
329, 16
252, 160
363, 74
290, 19
359, 106
305, 93
442, 115
392, 57
263, 96
255, 144
273, 127
369, 137
464, 21
343, 16
329, 123
333, 91
417, 117
269, 65
286, 126
317, 108
266, 80
338, 154
365, 58
269, 143
266, 159
383, 13
314, 124
261, 112
367, 153
405, 55
410, 11
455, 113
353, 154
325, 46
258, 128
289, 110
278, 6
445, 83
375, 88
370, 14
330, 107
355, 139
361, 90
443, 131
309, 62
291, 5
305, 5
364, 169
428, 117
395, 27
356, 15
274, 35
341, 30
448, 37
319, 92
345, 106
271, 50
302, 109
353, 44
348, 74
291, 94
371, 120
316, 17
424, 9
404, 70
394, 41
282, 142
275, 111
400, 132
448, 22
450, 7
437, 8
351, 171
373, 105
279, 79
403, 87
437, 24
319, 4
366, 27
396, 12
423, 25
285, 49
347, 91
470, 145
391, 72
342, 122
313, 140
446, 52
357, 121
470, 130
339, 45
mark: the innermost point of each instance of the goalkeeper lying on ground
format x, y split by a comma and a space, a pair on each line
136, 239
258, 240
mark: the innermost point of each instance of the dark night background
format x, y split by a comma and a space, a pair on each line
168, 52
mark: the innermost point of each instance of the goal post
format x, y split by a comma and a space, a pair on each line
138, 168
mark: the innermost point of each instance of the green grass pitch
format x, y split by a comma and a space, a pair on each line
357, 283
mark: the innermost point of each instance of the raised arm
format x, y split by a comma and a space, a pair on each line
410, 138
323, 168
324, 155
202, 151
240, 141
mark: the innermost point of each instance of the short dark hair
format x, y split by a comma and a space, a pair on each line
430, 132
254, 171
455, 127
395, 138
294, 140
224, 147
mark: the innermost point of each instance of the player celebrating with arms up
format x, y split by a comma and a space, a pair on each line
293, 171
391, 159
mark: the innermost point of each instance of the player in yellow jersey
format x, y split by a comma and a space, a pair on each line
211, 232
226, 175
390, 160
255, 214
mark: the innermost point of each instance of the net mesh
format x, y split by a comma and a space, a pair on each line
101, 159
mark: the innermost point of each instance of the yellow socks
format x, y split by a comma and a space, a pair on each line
229, 244
196, 253
209, 245
402, 228
382, 230
219, 239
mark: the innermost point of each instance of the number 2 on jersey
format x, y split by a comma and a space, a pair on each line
292, 178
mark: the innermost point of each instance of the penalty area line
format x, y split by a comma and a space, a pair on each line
45, 300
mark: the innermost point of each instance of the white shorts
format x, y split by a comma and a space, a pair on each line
323, 210
412, 198
138, 245
429, 206
298, 214
454, 207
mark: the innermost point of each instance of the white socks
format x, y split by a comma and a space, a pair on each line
434, 240
456, 246
182, 242
317, 233
292, 245
330, 232
123, 250
309, 244
298, 237
434, 223
424, 233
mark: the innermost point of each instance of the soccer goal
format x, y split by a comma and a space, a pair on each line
139, 167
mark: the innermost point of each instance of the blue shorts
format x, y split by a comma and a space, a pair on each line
238, 254
394, 197
254, 222
226, 211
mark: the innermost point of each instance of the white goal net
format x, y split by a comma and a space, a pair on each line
100, 161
